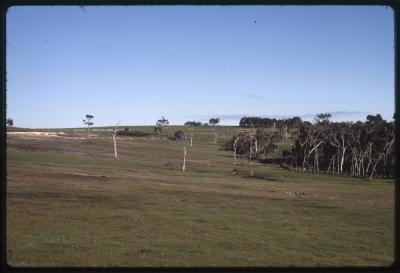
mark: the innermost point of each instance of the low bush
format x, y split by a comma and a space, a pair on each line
132, 133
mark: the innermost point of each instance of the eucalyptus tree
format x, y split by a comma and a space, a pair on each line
9, 122
360, 149
88, 121
322, 118
114, 134
235, 146
161, 123
213, 122
254, 137
181, 139
285, 131
191, 128
191, 135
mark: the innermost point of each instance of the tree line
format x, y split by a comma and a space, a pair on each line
290, 123
361, 149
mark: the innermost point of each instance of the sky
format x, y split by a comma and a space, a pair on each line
136, 64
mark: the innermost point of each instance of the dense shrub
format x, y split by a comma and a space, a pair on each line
193, 123
132, 133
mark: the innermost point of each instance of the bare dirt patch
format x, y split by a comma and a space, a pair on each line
46, 135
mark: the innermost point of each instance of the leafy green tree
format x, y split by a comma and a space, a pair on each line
181, 139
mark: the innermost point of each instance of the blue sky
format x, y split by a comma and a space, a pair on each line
136, 64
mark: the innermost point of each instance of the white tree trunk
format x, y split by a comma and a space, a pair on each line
255, 139
191, 137
115, 140
235, 143
374, 167
115, 144
341, 163
184, 159
251, 150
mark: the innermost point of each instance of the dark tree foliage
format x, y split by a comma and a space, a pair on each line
213, 121
361, 149
243, 144
193, 123
246, 143
9, 122
88, 121
371, 119
179, 135
249, 122
132, 133
162, 122
323, 118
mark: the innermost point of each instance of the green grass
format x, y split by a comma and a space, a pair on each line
76, 160
70, 203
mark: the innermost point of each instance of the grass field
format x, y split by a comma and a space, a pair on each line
70, 203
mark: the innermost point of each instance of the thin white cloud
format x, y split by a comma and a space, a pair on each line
340, 115
253, 96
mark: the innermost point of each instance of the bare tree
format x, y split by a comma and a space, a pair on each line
285, 130
181, 139
235, 146
191, 136
114, 134
255, 141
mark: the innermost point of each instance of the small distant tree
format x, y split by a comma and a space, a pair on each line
181, 139
372, 120
163, 122
213, 122
191, 125
9, 122
323, 118
88, 121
